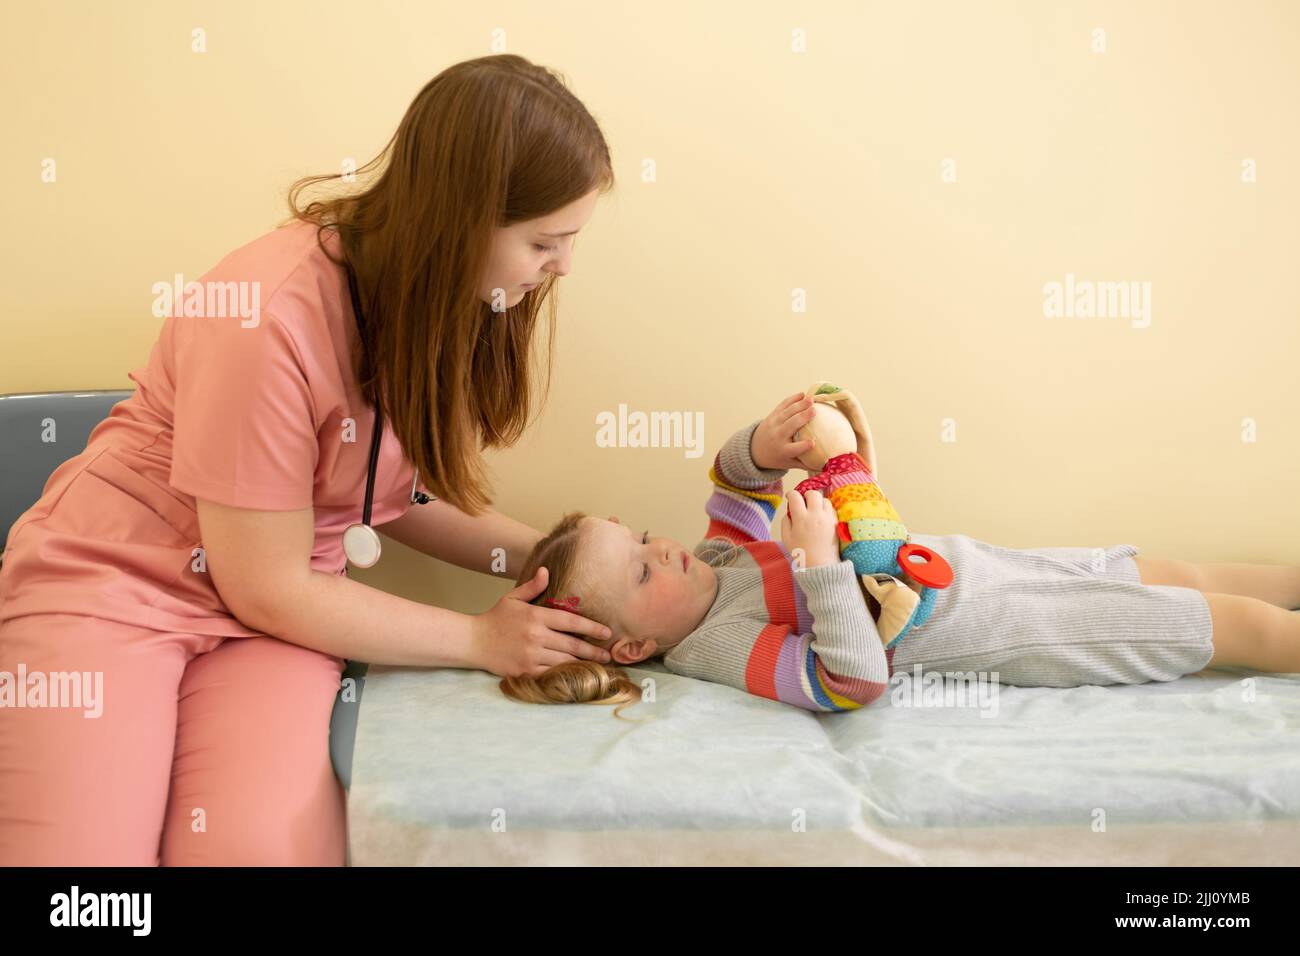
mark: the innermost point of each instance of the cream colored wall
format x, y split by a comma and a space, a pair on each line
775, 170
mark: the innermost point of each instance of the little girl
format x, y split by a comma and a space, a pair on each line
738, 610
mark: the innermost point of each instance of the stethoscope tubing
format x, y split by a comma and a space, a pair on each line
378, 430
365, 539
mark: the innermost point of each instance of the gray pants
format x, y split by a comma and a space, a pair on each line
1056, 617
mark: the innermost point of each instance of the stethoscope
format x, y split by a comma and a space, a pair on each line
360, 541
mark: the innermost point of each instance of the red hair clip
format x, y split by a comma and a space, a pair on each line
569, 603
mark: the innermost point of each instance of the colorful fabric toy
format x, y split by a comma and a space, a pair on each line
842, 466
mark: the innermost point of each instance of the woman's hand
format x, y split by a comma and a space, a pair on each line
809, 526
773, 445
518, 639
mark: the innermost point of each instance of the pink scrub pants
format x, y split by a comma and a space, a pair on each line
209, 751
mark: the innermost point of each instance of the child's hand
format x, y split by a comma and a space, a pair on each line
809, 525
773, 445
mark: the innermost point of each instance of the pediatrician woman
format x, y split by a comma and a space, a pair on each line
193, 554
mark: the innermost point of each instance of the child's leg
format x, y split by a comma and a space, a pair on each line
1277, 584
1253, 634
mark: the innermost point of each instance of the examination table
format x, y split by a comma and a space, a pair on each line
442, 769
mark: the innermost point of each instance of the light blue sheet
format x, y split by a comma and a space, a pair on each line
1202, 770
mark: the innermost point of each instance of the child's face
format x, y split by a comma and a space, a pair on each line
657, 591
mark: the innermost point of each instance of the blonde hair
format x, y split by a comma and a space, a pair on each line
576, 682
573, 682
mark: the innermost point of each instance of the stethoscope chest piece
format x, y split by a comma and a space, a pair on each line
361, 545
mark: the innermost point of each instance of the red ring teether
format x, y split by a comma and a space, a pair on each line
935, 572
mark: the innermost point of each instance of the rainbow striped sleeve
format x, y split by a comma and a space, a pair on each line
819, 649
803, 638
806, 670
817, 671
745, 497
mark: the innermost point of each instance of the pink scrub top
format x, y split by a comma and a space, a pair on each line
251, 417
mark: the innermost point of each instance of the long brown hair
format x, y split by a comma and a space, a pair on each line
486, 143
574, 682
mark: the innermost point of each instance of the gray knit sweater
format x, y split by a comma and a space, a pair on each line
803, 636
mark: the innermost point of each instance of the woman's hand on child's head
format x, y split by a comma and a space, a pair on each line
809, 527
773, 445
518, 639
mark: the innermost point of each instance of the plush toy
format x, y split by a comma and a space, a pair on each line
842, 465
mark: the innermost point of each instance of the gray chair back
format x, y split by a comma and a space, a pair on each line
27, 459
